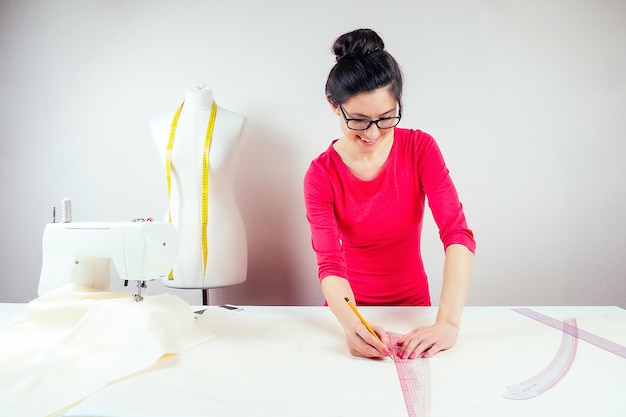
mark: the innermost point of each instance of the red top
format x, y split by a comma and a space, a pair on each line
369, 231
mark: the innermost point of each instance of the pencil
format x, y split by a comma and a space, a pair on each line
365, 323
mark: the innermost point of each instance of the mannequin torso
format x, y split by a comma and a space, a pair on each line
226, 262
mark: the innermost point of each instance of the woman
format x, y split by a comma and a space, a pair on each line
365, 204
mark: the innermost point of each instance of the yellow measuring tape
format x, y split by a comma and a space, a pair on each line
205, 175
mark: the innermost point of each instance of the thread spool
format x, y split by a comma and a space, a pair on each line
66, 211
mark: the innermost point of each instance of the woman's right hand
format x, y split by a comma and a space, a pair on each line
359, 340
363, 344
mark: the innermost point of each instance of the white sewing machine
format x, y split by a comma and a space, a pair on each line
81, 253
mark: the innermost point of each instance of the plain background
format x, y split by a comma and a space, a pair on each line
527, 100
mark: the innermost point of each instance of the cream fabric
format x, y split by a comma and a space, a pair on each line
68, 344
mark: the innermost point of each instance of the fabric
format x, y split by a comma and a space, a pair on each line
369, 231
70, 343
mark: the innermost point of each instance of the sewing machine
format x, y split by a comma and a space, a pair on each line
81, 253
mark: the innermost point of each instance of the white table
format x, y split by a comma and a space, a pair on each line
292, 361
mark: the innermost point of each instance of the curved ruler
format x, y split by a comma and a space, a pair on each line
414, 376
554, 372
205, 175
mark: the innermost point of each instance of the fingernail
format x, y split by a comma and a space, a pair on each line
425, 355
412, 355
401, 354
387, 351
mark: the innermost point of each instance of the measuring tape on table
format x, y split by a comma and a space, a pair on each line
205, 175
414, 377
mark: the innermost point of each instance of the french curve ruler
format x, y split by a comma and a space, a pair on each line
414, 376
553, 373
560, 365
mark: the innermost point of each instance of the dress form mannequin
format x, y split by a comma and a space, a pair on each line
227, 251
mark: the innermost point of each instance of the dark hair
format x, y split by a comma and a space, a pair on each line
362, 65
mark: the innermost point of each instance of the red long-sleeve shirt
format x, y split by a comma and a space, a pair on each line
369, 231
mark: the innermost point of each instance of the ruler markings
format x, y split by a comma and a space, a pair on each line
588, 337
552, 374
414, 377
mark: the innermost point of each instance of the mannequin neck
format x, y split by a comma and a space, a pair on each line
198, 98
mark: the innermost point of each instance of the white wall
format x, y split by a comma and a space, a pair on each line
526, 98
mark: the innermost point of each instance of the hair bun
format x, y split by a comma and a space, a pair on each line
357, 43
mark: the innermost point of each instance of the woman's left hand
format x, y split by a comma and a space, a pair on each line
427, 341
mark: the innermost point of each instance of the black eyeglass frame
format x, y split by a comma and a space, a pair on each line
369, 124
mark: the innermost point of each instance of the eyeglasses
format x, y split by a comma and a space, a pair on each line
364, 124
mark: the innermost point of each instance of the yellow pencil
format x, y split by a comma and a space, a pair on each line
365, 323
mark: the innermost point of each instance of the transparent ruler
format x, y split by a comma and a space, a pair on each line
414, 377
562, 361
581, 334
553, 373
